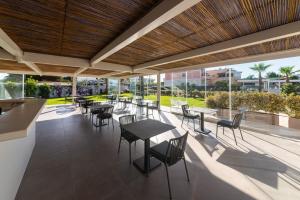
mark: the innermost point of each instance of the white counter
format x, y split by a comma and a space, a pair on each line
17, 140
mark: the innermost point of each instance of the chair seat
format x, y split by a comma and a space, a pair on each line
129, 137
104, 116
191, 116
225, 123
159, 151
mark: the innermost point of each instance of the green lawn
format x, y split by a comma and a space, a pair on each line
165, 100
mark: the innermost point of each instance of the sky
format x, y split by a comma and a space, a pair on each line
246, 71
275, 65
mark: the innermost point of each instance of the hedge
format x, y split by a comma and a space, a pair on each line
255, 101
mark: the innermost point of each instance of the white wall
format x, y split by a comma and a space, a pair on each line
14, 157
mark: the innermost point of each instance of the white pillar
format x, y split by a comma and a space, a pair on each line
229, 93
23, 85
158, 89
74, 86
119, 87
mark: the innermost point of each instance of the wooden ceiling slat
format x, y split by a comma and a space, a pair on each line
209, 22
268, 47
77, 28
96, 72
13, 66
56, 68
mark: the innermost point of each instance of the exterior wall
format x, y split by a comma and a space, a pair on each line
197, 77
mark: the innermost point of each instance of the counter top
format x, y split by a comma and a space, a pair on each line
14, 123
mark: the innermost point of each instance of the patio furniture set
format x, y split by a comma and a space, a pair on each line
190, 114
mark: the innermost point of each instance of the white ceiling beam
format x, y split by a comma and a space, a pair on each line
112, 67
11, 47
160, 14
246, 59
109, 74
148, 71
82, 64
4, 55
55, 60
80, 70
268, 35
32, 66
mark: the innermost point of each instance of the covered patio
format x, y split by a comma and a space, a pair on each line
74, 159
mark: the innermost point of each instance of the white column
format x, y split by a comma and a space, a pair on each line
158, 89
119, 87
23, 85
229, 93
74, 86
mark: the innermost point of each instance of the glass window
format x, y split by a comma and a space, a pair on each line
11, 86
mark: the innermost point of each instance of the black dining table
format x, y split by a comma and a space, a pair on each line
145, 129
101, 108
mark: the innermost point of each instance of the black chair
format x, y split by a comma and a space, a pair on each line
187, 114
78, 101
127, 102
140, 105
106, 114
86, 105
94, 110
130, 138
234, 124
170, 153
153, 106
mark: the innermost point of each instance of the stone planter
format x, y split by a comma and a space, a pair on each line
267, 118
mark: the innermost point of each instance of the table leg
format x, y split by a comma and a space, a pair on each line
202, 130
202, 121
146, 164
146, 156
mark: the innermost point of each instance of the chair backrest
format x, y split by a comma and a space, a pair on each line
129, 100
185, 109
126, 119
88, 102
176, 148
96, 104
237, 120
109, 110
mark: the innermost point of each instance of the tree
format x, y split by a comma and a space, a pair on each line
31, 87
44, 91
261, 67
288, 72
272, 75
250, 77
222, 85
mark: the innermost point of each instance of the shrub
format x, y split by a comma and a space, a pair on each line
254, 101
288, 88
293, 106
13, 89
31, 87
210, 102
44, 91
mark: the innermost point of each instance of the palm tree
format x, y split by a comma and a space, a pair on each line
287, 72
261, 67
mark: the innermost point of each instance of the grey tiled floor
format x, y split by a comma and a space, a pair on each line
74, 160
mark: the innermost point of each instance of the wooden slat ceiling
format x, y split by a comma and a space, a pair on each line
80, 28
57, 68
209, 22
77, 28
125, 74
95, 72
268, 47
13, 66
